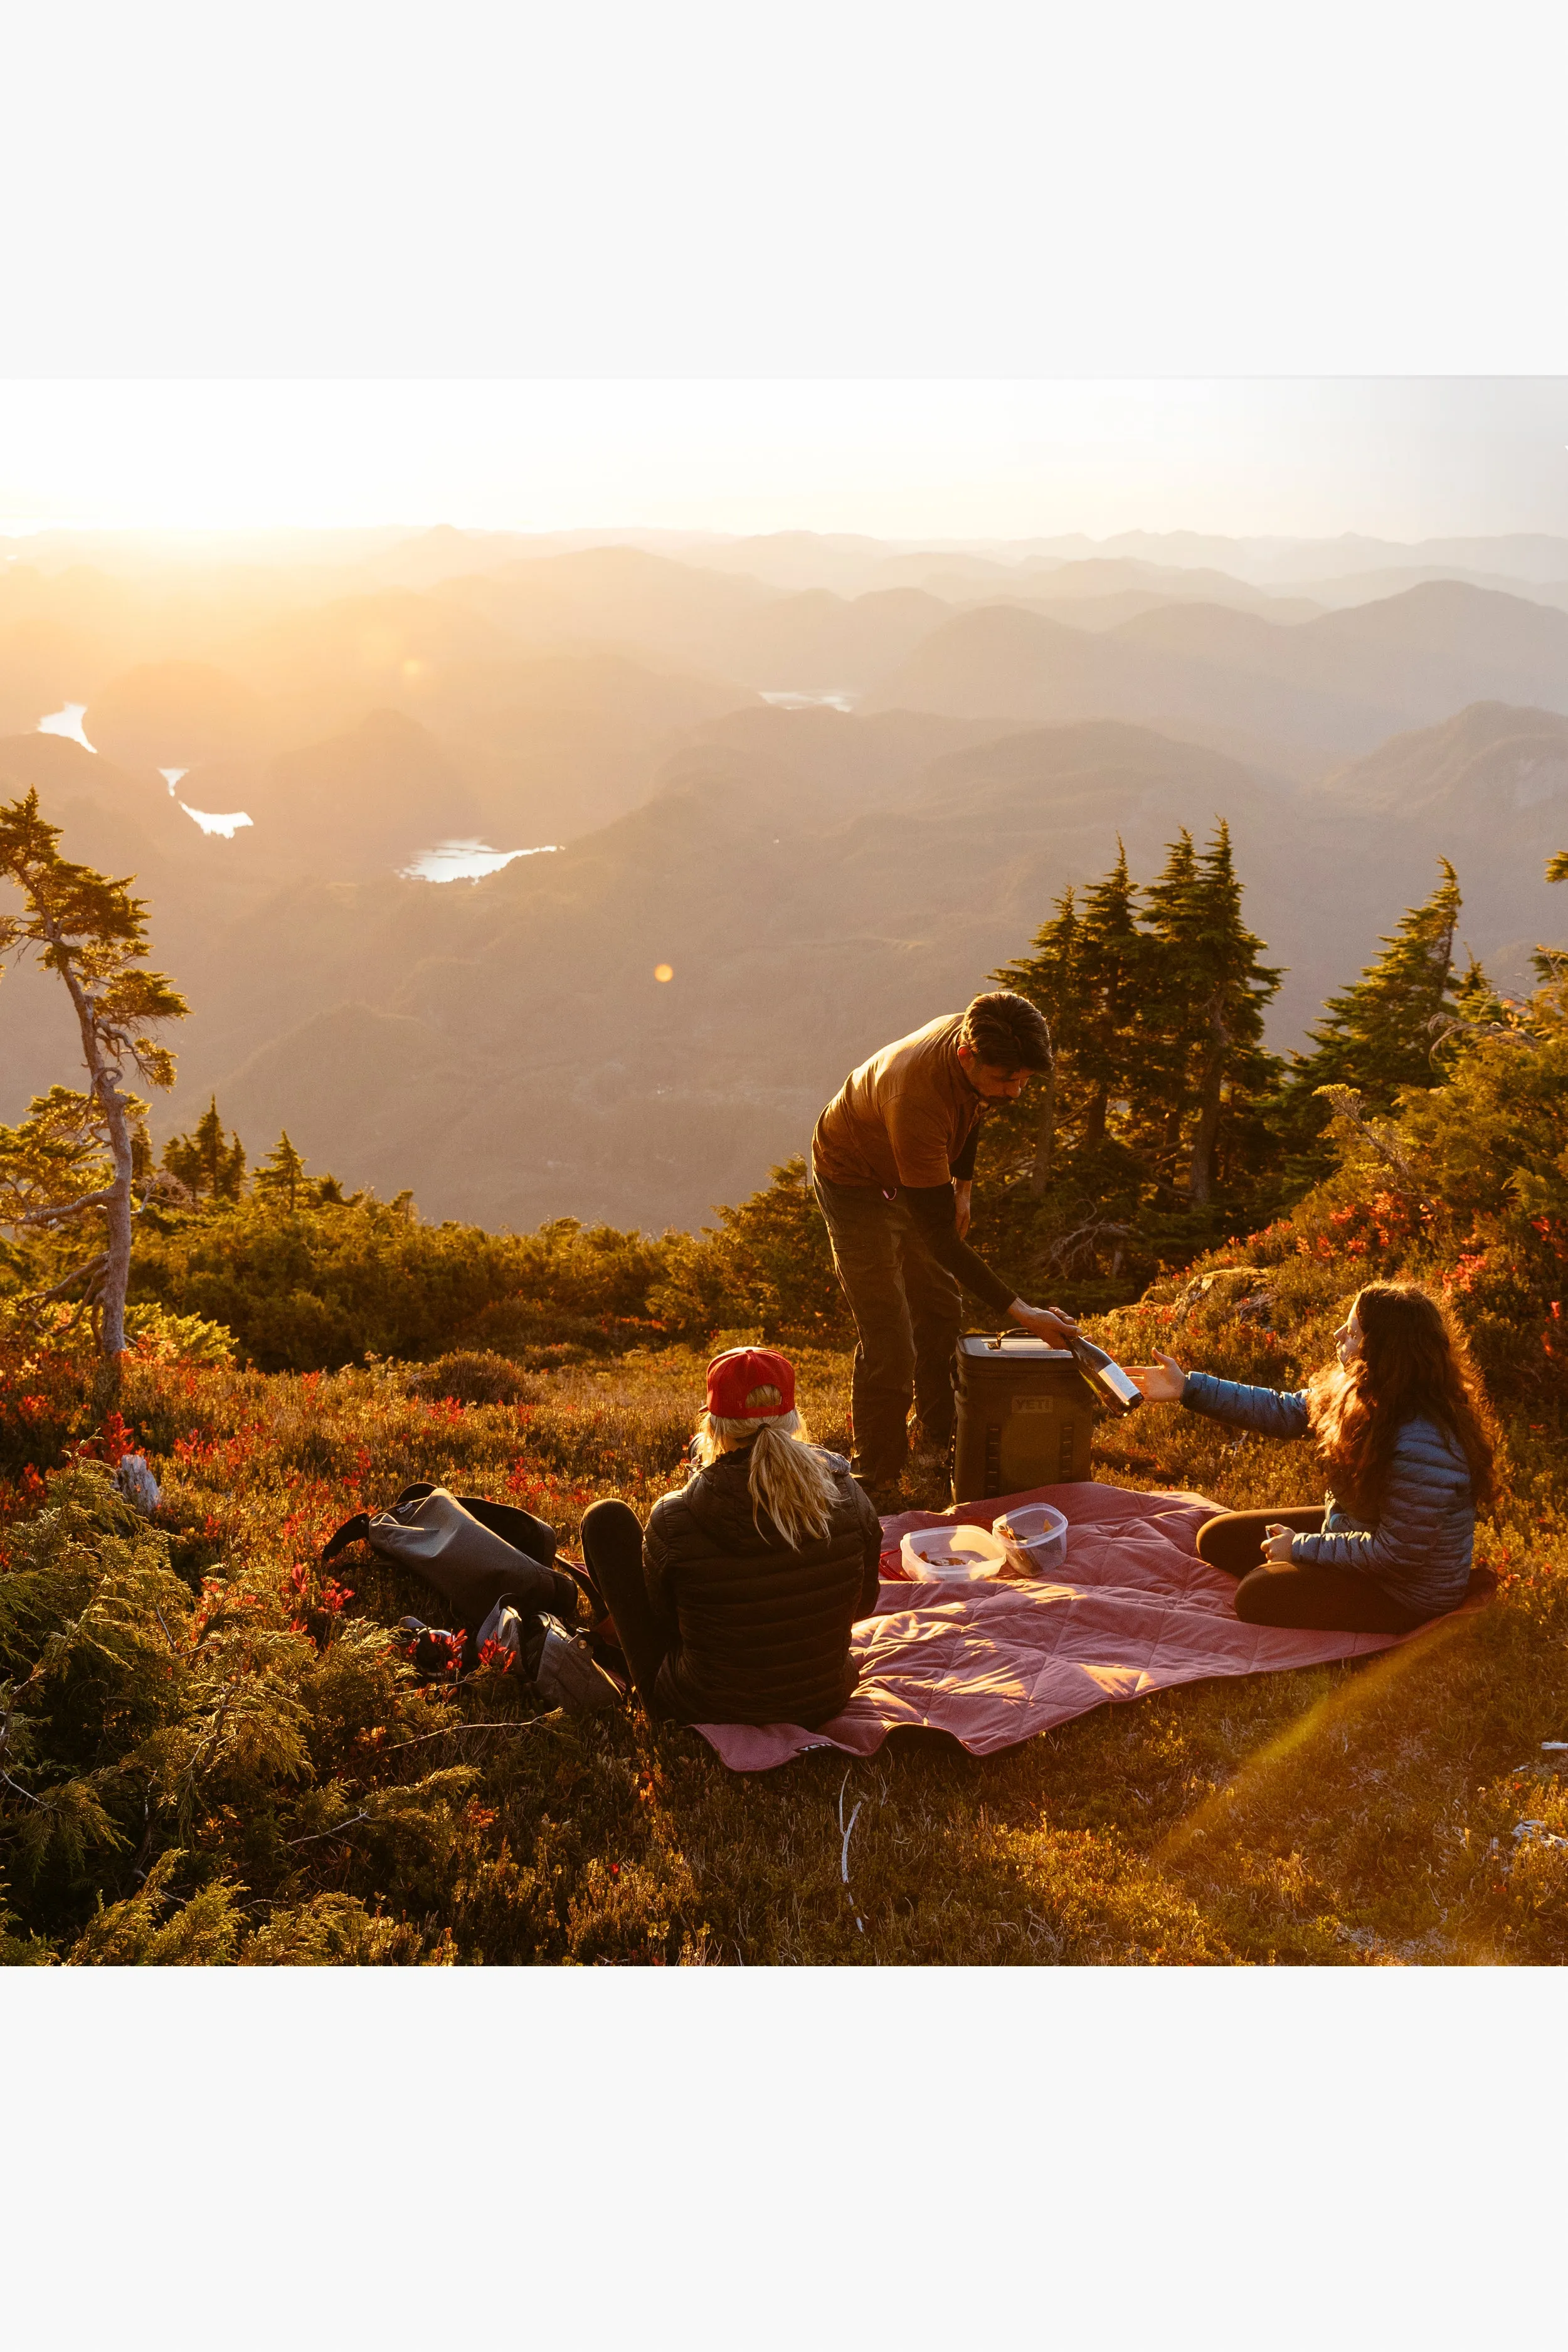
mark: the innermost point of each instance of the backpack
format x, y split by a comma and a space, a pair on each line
558, 1668
561, 1665
428, 1529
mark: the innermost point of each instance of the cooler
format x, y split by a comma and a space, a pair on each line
1024, 1416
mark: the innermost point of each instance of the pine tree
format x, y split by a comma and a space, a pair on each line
1204, 1004
1049, 978
1378, 1035
206, 1164
1169, 1014
1085, 975
282, 1174
80, 1155
1112, 970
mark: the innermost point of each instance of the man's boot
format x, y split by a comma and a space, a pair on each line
930, 1465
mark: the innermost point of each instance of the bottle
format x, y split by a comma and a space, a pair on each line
1104, 1374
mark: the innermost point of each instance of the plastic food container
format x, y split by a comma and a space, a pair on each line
1035, 1538
952, 1555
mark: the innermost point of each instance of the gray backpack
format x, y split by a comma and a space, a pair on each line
560, 1665
445, 1537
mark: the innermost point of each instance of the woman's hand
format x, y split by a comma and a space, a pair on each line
1276, 1550
1161, 1383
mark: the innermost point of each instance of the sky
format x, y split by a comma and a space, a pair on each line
1398, 459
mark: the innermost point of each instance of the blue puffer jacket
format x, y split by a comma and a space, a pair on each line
1421, 1547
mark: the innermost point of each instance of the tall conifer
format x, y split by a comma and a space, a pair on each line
1048, 977
207, 1164
1111, 968
282, 1174
1204, 1003
1377, 1036
78, 1158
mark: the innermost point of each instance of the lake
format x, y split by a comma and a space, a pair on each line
466, 861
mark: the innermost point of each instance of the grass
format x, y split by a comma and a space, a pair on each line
214, 1754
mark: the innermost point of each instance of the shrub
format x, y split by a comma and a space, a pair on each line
472, 1377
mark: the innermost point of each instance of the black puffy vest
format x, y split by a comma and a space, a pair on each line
760, 1633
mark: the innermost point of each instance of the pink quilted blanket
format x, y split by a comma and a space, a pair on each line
1135, 1609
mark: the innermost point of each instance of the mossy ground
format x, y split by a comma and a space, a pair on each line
213, 1753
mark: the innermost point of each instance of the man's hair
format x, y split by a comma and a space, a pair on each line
1007, 1033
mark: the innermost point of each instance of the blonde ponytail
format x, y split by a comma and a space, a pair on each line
788, 1476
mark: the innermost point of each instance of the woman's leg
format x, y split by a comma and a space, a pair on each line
1234, 1542
612, 1547
1321, 1600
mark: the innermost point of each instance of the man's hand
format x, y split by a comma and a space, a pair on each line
1161, 1383
1276, 1550
962, 1191
1051, 1324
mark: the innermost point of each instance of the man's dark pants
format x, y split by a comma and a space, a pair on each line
909, 1312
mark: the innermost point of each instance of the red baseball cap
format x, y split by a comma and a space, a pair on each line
732, 1376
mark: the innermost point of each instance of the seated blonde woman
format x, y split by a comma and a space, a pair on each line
737, 1604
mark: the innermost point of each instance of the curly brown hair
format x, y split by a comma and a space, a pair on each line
1413, 1360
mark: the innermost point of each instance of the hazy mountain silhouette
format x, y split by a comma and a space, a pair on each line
818, 880
176, 714
1411, 652
43, 663
1338, 683
816, 885
1004, 661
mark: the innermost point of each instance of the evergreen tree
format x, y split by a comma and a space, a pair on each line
1111, 971
208, 1166
1232, 1067
1169, 1015
81, 1155
1085, 975
1049, 978
1378, 1035
281, 1175
1203, 994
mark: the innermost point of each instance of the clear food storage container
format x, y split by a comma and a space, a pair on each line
952, 1555
1035, 1538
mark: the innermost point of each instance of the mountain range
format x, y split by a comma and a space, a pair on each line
817, 877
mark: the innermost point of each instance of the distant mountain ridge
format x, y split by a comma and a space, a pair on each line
817, 878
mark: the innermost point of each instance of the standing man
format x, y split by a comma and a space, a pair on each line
893, 1164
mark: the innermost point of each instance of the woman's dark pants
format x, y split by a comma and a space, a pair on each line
1317, 1599
909, 1312
612, 1547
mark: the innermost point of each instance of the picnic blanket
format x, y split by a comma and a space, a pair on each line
1135, 1609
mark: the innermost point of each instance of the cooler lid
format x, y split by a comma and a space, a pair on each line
1012, 1347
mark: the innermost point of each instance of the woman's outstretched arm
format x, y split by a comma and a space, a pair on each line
1273, 1412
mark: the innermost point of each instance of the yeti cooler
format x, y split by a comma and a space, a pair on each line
1024, 1416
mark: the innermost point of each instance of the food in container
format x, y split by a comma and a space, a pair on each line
1035, 1538
952, 1555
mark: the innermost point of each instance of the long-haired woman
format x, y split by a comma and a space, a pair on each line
736, 1605
1404, 1433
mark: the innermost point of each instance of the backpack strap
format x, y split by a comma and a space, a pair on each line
354, 1530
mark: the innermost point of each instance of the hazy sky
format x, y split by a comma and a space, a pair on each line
1398, 459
